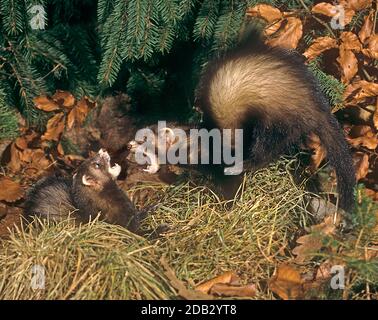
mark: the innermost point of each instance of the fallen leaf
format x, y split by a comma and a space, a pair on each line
324, 8
372, 50
367, 27
356, 4
321, 208
226, 290
374, 195
343, 14
10, 191
15, 161
310, 244
290, 35
348, 63
183, 291
375, 115
46, 104
64, 98
60, 149
358, 91
320, 45
361, 163
287, 283
54, 127
265, 11
319, 152
324, 271
21, 143
350, 41
226, 278
78, 114
366, 138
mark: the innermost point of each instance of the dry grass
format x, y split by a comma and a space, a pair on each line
99, 261
95, 261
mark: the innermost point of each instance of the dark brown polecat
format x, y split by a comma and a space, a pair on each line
271, 95
92, 191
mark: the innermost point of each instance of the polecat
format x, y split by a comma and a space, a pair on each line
90, 192
271, 95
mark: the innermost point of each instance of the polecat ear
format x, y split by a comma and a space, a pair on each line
88, 181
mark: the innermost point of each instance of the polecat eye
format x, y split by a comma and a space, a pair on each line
97, 165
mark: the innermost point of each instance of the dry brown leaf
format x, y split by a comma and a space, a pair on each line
265, 11
324, 8
372, 50
287, 283
46, 104
54, 128
226, 290
324, 271
348, 63
78, 114
364, 136
15, 162
350, 41
290, 35
375, 115
320, 45
60, 149
183, 291
39, 160
374, 195
319, 152
10, 191
226, 278
21, 143
311, 243
361, 163
356, 4
360, 90
64, 98
367, 27
331, 11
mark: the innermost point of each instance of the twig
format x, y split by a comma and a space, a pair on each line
316, 18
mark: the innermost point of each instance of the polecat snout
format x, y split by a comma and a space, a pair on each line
92, 191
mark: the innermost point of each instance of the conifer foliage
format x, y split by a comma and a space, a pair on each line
152, 49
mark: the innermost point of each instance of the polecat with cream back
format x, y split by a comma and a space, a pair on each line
271, 95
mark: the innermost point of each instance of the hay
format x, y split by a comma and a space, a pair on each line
207, 239
100, 261
95, 261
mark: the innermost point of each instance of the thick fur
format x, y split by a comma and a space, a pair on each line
55, 198
50, 198
271, 94
105, 197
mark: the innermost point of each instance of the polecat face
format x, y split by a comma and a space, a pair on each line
95, 172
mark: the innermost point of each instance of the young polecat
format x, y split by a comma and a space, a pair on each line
90, 192
273, 97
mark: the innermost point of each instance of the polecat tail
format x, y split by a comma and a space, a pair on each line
340, 159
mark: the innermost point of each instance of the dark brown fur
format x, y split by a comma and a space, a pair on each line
55, 198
